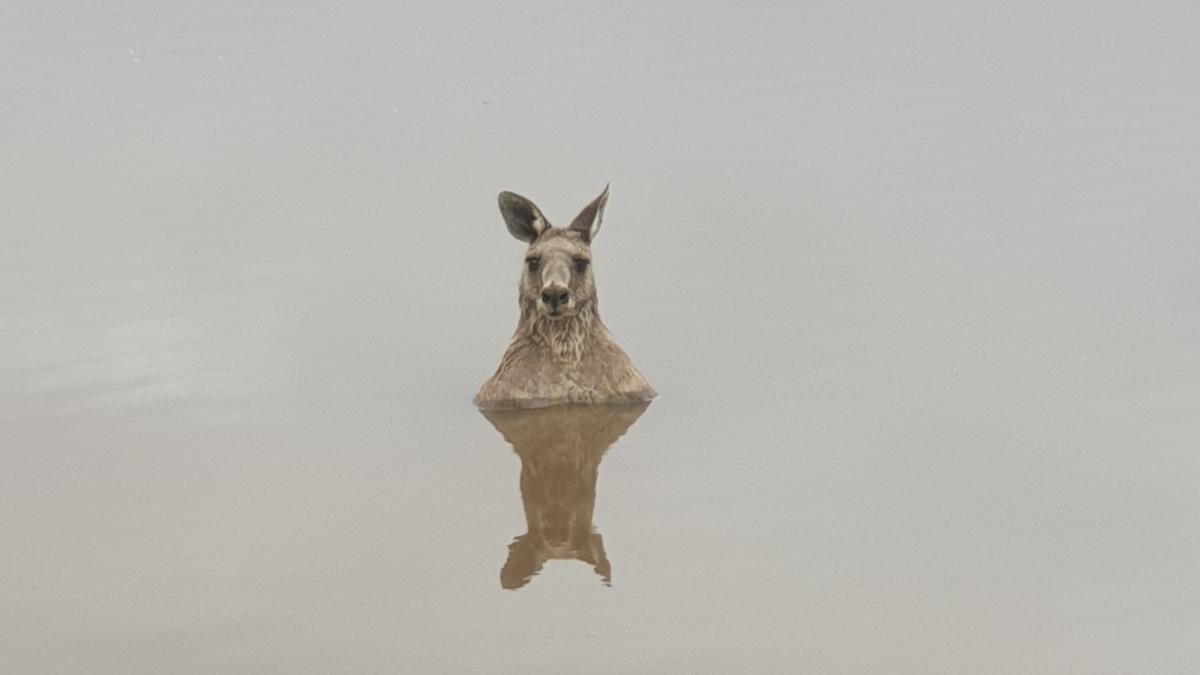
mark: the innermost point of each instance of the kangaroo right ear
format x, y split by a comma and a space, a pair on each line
521, 566
524, 220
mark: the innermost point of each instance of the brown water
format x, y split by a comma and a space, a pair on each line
917, 287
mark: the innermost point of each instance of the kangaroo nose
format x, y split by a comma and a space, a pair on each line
553, 298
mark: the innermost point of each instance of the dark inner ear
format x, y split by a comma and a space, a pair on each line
524, 220
587, 218
583, 222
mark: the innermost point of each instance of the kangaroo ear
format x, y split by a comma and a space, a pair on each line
598, 559
522, 564
525, 221
587, 223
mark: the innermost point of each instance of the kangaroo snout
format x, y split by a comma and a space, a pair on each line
555, 296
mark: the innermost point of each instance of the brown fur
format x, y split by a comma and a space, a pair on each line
563, 354
560, 450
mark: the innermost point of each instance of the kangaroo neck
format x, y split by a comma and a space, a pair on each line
566, 338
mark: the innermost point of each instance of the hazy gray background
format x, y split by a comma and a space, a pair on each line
918, 288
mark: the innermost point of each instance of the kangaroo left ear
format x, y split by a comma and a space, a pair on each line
594, 556
587, 223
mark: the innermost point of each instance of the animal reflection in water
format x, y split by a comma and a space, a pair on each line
560, 449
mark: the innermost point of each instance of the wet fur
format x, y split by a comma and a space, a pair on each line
572, 358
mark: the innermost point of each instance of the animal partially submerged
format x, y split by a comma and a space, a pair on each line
561, 352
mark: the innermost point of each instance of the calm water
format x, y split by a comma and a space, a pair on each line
918, 288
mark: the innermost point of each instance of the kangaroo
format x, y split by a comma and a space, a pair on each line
560, 450
561, 352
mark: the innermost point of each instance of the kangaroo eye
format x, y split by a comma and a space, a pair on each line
533, 264
581, 265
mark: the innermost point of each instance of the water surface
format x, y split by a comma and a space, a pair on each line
917, 287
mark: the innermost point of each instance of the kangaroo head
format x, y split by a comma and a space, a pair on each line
557, 277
